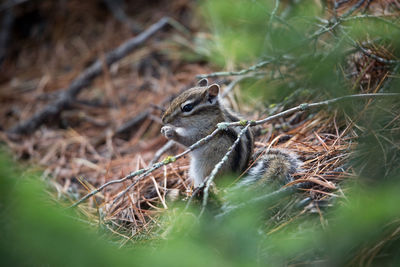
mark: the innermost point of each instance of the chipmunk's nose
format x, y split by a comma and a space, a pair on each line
166, 117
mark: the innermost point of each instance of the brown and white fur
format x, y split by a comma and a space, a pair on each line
195, 114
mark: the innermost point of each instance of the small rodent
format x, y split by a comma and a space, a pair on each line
195, 113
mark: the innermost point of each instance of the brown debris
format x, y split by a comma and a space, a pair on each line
113, 127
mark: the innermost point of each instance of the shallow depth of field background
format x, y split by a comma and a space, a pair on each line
312, 51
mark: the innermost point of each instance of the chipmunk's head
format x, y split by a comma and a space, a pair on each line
197, 105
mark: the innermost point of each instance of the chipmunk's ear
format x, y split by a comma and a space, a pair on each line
212, 93
202, 83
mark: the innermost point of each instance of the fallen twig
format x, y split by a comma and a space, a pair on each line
131, 124
125, 130
84, 79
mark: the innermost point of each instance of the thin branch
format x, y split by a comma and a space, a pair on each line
377, 58
97, 190
353, 8
329, 26
369, 54
125, 130
132, 123
366, 16
269, 26
339, 3
302, 107
167, 146
84, 79
389, 80
285, 23
208, 181
155, 166
147, 172
179, 27
273, 13
260, 65
264, 63
335, 7
232, 85
325, 28
367, 6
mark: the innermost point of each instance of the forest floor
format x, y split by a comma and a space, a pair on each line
113, 127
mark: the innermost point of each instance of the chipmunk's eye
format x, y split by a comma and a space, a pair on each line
187, 107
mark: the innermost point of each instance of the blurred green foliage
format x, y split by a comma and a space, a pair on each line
36, 231
307, 51
364, 226
378, 151
316, 56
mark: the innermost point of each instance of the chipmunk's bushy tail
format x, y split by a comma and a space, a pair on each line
276, 167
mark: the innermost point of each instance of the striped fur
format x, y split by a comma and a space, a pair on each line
277, 166
187, 127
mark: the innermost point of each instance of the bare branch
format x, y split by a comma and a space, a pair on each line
377, 58
84, 79
232, 85
366, 16
327, 27
208, 181
370, 54
273, 14
167, 146
302, 107
260, 65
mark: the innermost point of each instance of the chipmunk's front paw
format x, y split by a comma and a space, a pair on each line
168, 132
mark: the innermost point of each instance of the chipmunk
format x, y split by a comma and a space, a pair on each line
195, 113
